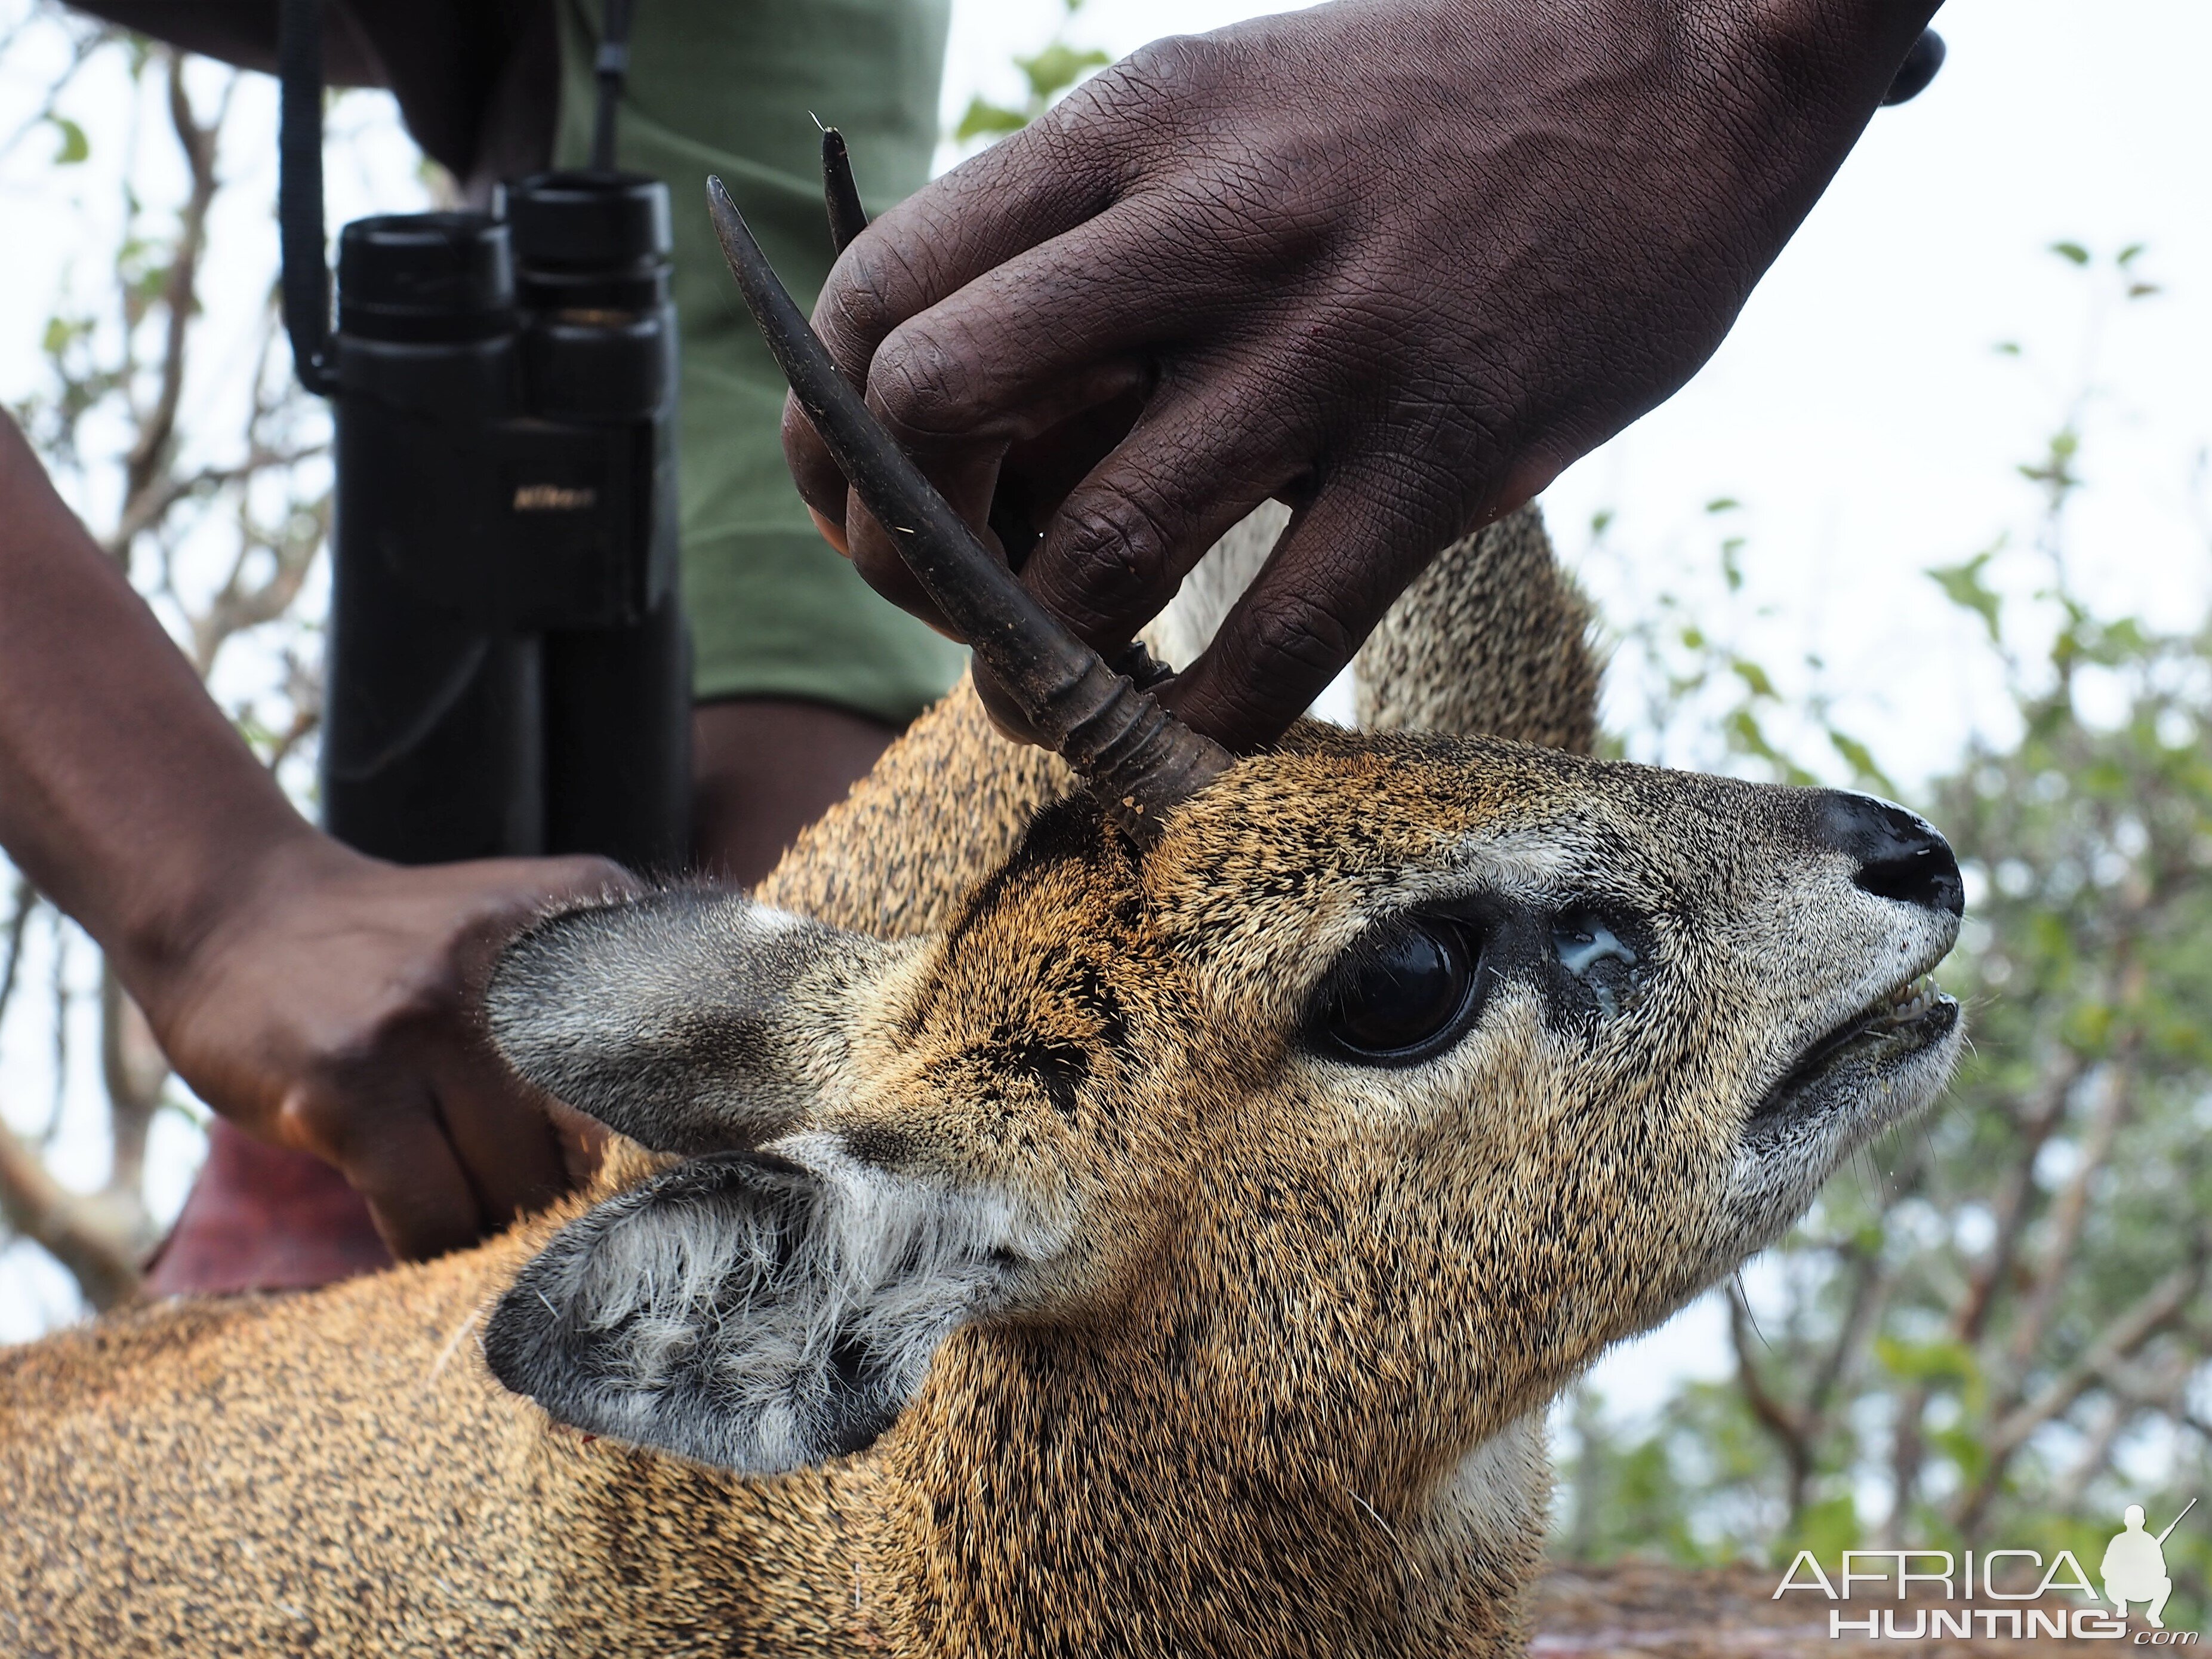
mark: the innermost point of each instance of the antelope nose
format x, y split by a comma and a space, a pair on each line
1898, 853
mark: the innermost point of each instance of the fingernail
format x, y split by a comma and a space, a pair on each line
832, 531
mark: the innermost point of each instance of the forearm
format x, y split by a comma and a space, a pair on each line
125, 794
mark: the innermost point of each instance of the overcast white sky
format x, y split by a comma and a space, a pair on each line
1858, 410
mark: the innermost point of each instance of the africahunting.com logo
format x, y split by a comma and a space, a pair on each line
2132, 1572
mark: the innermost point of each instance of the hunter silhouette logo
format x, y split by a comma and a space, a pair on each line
2134, 1568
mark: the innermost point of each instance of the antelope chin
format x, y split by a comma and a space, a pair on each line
1856, 1068
1888, 1062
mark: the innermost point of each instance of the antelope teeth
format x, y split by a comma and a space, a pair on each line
1909, 1000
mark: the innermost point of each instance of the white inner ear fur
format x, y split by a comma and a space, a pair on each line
903, 1259
764, 1326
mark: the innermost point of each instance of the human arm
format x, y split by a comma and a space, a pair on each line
320, 999
1396, 262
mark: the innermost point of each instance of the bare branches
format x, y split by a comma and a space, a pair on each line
1793, 1432
2069, 1211
146, 464
2014, 1200
81, 1233
267, 571
235, 519
2104, 1357
132, 1068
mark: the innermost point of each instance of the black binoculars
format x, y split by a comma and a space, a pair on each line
507, 669
508, 666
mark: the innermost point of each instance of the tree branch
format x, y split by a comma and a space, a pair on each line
145, 467
2072, 1205
1787, 1430
2144, 1319
132, 1069
2015, 1198
76, 1231
21, 905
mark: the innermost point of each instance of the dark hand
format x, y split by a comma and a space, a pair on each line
1394, 262
334, 1011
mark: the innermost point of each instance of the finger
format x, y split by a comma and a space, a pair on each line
1346, 557
508, 1150
507, 1146
832, 532
391, 1148
1054, 330
965, 465
1036, 342
956, 390
1038, 473
1033, 477
583, 1142
966, 481
509, 895
1196, 464
1022, 191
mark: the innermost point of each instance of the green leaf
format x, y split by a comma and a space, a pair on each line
1747, 737
1946, 1359
2128, 255
1828, 1527
2144, 290
2105, 780
1743, 726
2006, 347
1722, 504
983, 117
75, 146
1753, 677
1963, 585
2090, 1027
1059, 67
2071, 251
1861, 760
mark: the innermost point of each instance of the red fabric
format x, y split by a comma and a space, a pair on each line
262, 1218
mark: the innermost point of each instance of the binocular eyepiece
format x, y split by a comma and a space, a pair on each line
505, 389
577, 267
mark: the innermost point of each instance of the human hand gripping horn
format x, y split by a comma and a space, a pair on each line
1138, 759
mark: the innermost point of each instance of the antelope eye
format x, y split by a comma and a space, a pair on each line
1409, 994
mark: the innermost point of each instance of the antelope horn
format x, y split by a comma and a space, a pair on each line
1136, 758
839, 194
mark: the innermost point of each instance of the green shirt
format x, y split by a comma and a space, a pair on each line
731, 87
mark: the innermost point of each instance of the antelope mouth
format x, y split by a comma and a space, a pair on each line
1868, 1061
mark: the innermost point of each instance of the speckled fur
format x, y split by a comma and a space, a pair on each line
1265, 1378
1475, 646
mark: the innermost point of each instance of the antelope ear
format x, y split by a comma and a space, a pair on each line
691, 1021
744, 1311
